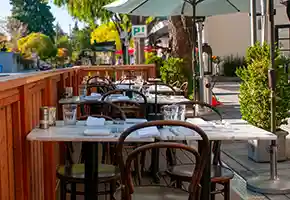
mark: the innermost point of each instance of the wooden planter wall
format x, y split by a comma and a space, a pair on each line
28, 169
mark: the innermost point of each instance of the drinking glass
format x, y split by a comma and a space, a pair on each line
69, 114
82, 90
169, 112
68, 92
180, 113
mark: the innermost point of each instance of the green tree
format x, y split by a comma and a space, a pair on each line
92, 10
64, 42
39, 43
80, 39
107, 32
36, 14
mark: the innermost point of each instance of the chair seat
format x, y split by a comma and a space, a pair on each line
218, 173
155, 193
77, 172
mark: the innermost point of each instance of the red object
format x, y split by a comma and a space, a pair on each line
131, 50
215, 102
120, 52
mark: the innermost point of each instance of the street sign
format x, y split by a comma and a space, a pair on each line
139, 31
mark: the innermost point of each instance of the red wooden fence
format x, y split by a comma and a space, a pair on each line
27, 169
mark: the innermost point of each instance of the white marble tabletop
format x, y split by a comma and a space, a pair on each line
161, 99
75, 133
235, 129
162, 88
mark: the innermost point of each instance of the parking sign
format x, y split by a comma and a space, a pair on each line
139, 31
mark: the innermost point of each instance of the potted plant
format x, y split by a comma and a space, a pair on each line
255, 99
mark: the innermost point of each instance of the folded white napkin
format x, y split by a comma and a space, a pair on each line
135, 121
123, 98
148, 132
94, 121
182, 131
122, 87
97, 132
114, 96
96, 94
198, 121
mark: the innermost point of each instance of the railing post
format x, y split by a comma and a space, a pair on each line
23, 182
48, 151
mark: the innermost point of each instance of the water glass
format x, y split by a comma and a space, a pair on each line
68, 92
180, 113
69, 114
82, 90
169, 112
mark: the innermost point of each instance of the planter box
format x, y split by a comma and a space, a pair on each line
258, 150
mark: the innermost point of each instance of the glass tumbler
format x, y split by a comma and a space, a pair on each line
69, 114
82, 91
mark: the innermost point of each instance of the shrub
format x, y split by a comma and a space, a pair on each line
154, 59
172, 71
39, 43
254, 90
231, 64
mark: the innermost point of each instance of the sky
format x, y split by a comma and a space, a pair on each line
60, 14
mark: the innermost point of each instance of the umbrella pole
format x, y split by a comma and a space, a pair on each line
273, 184
193, 64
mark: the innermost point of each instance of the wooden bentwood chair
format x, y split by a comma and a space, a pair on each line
156, 192
72, 174
220, 174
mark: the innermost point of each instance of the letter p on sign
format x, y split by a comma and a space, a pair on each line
139, 31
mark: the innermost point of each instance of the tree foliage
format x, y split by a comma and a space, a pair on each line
81, 39
254, 90
39, 43
36, 14
105, 33
62, 43
87, 10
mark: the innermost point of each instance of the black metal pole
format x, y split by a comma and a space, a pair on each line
272, 84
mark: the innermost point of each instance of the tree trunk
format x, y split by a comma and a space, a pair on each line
181, 36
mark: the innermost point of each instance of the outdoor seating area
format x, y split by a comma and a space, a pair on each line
124, 136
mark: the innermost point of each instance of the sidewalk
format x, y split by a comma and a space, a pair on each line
235, 154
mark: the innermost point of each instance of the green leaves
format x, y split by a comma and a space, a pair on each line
254, 90
87, 10
36, 14
38, 43
171, 71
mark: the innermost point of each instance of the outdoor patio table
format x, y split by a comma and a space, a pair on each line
161, 100
75, 133
236, 129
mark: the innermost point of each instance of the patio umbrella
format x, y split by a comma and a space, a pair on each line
204, 8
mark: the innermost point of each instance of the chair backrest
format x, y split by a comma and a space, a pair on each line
98, 79
171, 91
132, 109
100, 87
217, 144
103, 108
126, 178
122, 91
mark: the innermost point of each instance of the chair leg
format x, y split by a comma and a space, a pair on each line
113, 188
227, 191
62, 190
142, 162
137, 170
213, 188
73, 195
178, 183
